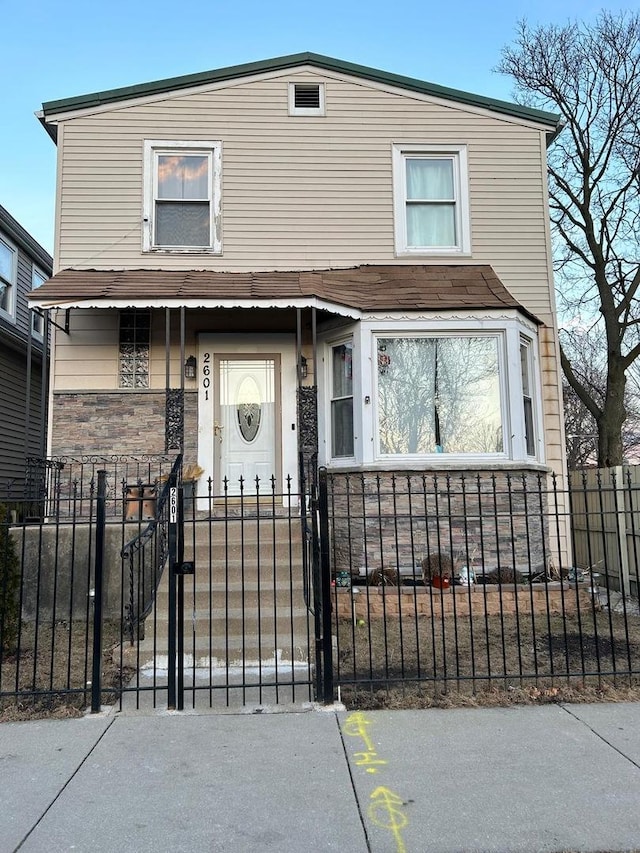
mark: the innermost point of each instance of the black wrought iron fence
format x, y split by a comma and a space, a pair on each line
451, 579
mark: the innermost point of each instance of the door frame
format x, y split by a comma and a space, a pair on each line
212, 346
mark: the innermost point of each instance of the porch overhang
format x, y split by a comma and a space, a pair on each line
345, 292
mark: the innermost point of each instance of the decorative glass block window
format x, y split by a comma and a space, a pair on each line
342, 400
135, 338
439, 395
431, 204
182, 196
527, 396
38, 278
8, 277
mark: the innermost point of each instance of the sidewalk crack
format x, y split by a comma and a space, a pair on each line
602, 738
62, 789
353, 786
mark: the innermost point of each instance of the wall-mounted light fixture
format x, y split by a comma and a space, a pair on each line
303, 367
190, 367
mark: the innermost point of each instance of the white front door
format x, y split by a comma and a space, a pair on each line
246, 420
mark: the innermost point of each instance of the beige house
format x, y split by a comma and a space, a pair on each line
303, 255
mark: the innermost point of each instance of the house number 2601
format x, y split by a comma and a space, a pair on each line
206, 374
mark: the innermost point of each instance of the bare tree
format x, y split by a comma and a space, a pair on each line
590, 74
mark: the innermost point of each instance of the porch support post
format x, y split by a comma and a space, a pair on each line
27, 406
299, 345
182, 339
314, 341
44, 390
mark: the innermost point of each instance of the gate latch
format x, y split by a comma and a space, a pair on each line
187, 568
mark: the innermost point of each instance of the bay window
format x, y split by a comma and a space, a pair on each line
439, 395
341, 378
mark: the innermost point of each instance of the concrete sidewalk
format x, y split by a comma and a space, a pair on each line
553, 778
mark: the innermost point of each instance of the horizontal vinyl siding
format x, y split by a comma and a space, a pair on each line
13, 415
304, 191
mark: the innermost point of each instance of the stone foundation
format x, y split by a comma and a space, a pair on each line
483, 519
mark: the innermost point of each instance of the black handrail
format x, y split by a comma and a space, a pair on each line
156, 530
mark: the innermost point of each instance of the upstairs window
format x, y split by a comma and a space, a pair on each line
182, 196
135, 339
8, 278
431, 205
37, 320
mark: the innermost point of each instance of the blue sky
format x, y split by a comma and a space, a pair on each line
61, 48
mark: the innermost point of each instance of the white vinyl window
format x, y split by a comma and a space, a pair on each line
431, 200
8, 278
526, 369
182, 196
440, 395
341, 378
37, 320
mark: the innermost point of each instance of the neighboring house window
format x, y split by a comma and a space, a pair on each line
431, 200
135, 335
37, 320
527, 395
439, 395
8, 277
342, 400
182, 196
306, 99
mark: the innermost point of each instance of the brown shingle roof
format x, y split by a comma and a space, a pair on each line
368, 287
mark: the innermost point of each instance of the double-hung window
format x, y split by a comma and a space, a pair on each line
526, 370
182, 196
8, 278
431, 200
37, 320
342, 400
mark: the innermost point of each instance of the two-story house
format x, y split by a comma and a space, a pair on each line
24, 266
301, 254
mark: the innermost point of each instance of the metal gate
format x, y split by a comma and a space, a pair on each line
223, 598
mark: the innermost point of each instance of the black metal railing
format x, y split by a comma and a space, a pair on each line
145, 555
476, 581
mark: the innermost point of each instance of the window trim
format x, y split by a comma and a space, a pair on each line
533, 397
458, 155
10, 313
154, 147
35, 314
306, 111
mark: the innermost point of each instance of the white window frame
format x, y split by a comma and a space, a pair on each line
534, 398
497, 334
152, 149
12, 284
306, 111
36, 317
458, 155
348, 339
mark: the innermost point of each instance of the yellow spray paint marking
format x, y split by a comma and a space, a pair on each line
385, 810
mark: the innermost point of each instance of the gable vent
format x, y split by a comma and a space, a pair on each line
307, 96
306, 99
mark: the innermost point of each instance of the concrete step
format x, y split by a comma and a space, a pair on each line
219, 597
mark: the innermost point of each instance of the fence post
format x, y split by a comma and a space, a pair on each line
325, 565
96, 673
172, 602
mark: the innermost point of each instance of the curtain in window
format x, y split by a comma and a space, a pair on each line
430, 202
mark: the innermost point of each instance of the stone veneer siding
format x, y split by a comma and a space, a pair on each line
480, 518
117, 423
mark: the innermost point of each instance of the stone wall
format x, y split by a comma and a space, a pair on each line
482, 519
117, 423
